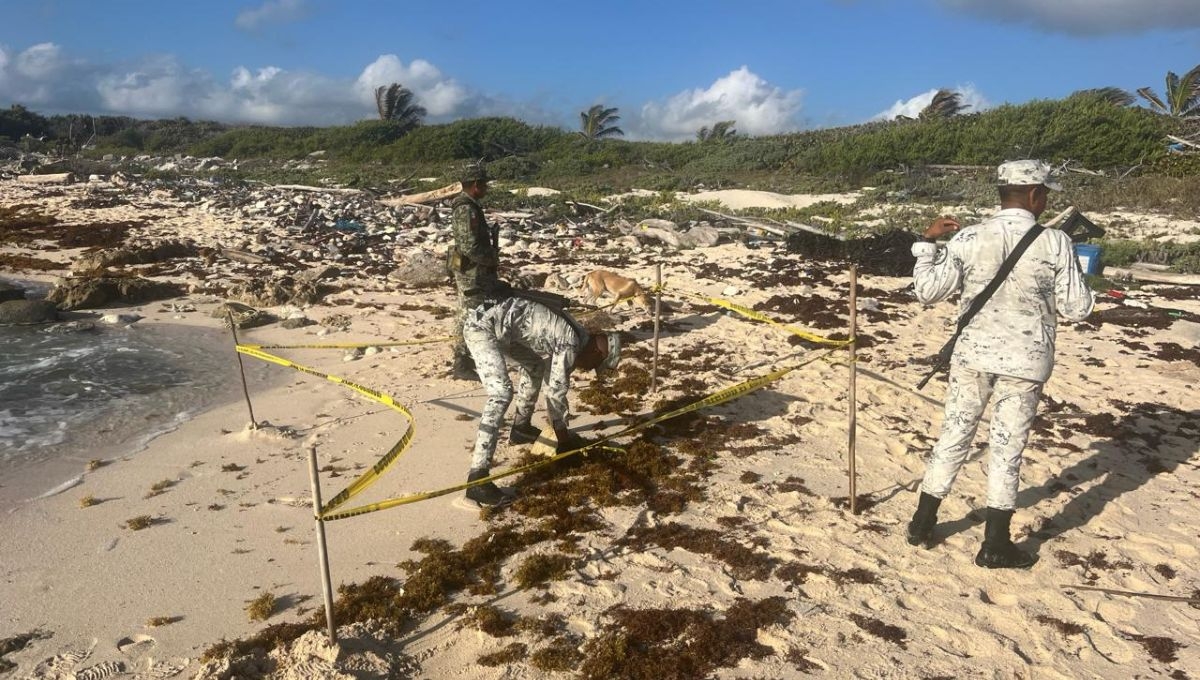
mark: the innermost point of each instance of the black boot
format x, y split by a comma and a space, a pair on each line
998, 551
464, 368
524, 433
488, 494
920, 529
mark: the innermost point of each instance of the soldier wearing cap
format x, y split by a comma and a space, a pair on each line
534, 335
474, 259
1005, 354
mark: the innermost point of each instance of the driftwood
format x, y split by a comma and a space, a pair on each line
602, 211
301, 187
56, 178
1142, 273
775, 229
425, 196
243, 256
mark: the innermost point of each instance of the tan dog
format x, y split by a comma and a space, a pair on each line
600, 282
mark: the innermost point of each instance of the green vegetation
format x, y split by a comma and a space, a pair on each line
1088, 128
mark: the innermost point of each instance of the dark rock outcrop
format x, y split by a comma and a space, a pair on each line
27, 311
92, 292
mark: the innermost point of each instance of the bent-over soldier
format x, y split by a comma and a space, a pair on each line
547, 344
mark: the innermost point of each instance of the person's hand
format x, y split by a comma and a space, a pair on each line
940, 227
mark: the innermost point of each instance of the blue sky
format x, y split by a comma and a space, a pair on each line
670, 67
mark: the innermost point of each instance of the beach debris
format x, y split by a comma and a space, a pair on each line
52, 178
885, 254
27, 312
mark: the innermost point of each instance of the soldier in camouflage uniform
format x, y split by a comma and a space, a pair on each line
474, 259
535, 335
1006, 352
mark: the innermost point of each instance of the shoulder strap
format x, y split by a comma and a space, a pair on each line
1005, 268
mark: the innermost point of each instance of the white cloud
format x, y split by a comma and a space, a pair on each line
758, 108
439, 95
43, 78
970, 96
271, 12
1088, 17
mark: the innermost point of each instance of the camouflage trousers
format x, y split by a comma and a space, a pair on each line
466, 303
1014, 406
489, 353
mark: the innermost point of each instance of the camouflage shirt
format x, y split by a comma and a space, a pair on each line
476, 246
554, 336
1013, 334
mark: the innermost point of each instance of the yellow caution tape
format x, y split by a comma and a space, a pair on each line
370, 476
353, 345
759, 316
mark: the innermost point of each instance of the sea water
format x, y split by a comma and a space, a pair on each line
73, 392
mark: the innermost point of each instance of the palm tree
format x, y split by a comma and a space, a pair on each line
721, 131
1182, 95
1112, 95
598, 122
395, 103
945, 104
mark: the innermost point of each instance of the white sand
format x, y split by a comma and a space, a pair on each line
740, 199
224, 537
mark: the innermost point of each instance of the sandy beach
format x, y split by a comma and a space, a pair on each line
751, 514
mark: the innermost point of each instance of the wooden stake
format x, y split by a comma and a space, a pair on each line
1130, 593
852, 395
242, 370
657, 316
322, 551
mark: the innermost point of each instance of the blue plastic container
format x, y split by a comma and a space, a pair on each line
1089, 258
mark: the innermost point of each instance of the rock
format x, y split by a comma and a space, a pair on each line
868, 304
731, 291
70, 327
27, 311
244, 316
422, 268
119, 257
296, 322
91, 292
701, 237
121, 318
11, 292
669, 238
664, 225
284, 290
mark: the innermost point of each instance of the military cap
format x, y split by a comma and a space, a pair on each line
1027, 173
473, 172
